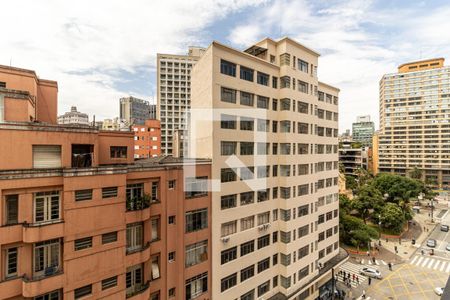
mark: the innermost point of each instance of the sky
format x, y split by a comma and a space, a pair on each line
102, 50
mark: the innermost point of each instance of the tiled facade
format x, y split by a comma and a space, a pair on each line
174, 90
414, 121
79, 219
270, 128
147, 139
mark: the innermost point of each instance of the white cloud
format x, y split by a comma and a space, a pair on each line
358, 41
85, 44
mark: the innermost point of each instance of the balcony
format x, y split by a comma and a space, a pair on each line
138, 256
11, 287
52, 279
11, 233
138, 292
33, 233
138, 203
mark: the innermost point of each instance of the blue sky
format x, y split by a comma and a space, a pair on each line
99, 51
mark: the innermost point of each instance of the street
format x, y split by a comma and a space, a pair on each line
442, 238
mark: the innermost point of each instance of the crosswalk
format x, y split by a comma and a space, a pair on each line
351, 268
431, 263
377, 262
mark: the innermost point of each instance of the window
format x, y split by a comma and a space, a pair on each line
227, 68
303, 210
196, 220
247, 148
12, 209
46, 206
285, 214
246, 99
171, 292
263, 241
274, 104
135, 236
263, 102
303, 189
47, 257
285, 126
83, 291
11, 259
303, 231
247, 223
304, 251
303, 66
171, 184
263, 125
227, 122
285, 170
2, 84
275, 259
171, 220
247, 247
134, 279
262, 148
171, 256
247, 273
285, 281
154, 234
118, 151
263, 171
274, 82
263, 288
274, 129
228, 255
196, 186
321, 219
196, 286
83, 243
55, 295
228, 201
285, 259
285, 59
246, 73
263, 265
228, 228
228, 148
303, 272
155, 266
109, 192
285, 192
155, 296
247, 173
227, 175
248, 296
247, 123
302, 107
46, 156
285, 237
109, 283
82, 195
262, 78
196, 253
134, 194
228, 95
285, 104
274, 236
228, 282
109, 237
263, 195
302, 128
285, 82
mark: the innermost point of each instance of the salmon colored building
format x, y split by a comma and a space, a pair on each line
79, 219
147, 139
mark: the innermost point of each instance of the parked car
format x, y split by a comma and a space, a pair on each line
444, 228
431, 243
439, 291
370, 272
448, 247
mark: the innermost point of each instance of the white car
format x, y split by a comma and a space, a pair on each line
370, 272
439, 291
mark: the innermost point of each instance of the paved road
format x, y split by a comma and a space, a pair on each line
442, 238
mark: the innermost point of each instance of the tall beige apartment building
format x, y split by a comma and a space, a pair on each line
174, 90
415, 121
270, 128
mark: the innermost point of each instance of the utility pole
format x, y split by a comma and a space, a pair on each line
432, 208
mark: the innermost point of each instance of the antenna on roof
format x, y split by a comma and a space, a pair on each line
10, 62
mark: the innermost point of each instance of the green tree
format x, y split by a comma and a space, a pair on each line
350, 182
415, 173
364, 177
398, 187
369, 198
345, 204
392, 217
354, 232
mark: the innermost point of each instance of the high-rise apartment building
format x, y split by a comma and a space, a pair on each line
414, 121
79, 219
136, 111
270, 127
147, 139
362, 130
174, 95
74, 117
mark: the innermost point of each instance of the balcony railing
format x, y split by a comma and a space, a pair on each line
137, 289
138, 203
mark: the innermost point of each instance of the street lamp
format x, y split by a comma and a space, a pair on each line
432, 207
379, 227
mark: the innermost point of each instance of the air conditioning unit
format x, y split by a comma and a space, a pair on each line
225, 239
264, 226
